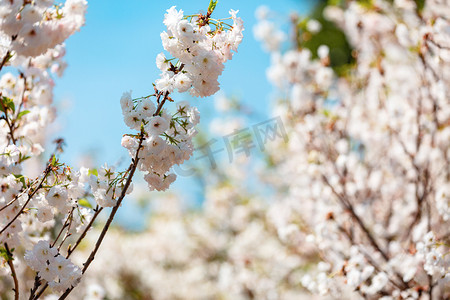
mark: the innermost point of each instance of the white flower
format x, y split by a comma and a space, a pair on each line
129, 142
154, 145
165, 83
58, 197
194, 116
185, 30
172, 17
182, 82
156, 125
161, 62
94, 292
133, 120
146, 108
48, 273
379, 281
104, 199
126, 103
41, 253
45, 214
62, 266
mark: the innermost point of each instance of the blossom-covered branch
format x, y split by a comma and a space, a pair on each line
31, 33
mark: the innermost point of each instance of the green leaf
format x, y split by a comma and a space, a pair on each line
7, 103
23, 157
21, 178
93, 172
212, 5
368, 4
22, 113
420, 5
84, 202
5, 255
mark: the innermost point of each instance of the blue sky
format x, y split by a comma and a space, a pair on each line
115, 52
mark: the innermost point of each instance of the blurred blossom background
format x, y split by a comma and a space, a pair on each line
321, 166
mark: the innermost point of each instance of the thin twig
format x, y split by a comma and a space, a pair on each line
133, 168
15, 199
366, 255
72, 249
37, 283
97, 212
68, 229
161, 104
10, 125
13, 272
358, 220
5, 59
30, 196
348, 206
66, 223
40, 292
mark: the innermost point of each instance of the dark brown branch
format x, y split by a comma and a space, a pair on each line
97, 212
13, 200
13, 272
5, 59
10, 125
66, 223
366, 255
358, 220
37, 283
72, 249
132, 169
68, 230
30, 196
420, 199
161, 104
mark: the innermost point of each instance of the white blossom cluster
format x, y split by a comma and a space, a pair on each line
30, 28
28, 95
200, 53
168, 139
57, 199
266, 31
200, 49
57, 270
434, 256
32, 96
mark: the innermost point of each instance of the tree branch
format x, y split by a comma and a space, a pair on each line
132, 168
30, 196
13, 272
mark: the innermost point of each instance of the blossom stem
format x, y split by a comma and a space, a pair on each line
66, 223
161, 104
5, 59
132, 169
30, 196
358, 220
71, 250
13, 272
10, 124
